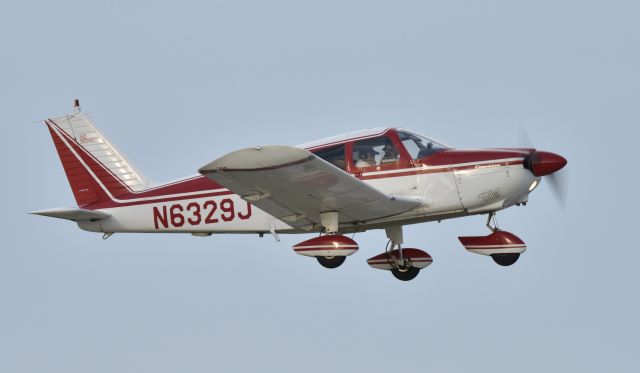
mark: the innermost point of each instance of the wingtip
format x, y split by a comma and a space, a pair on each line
210, 167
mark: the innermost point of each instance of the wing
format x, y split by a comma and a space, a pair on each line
295, 186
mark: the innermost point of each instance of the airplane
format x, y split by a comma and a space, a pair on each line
380, 178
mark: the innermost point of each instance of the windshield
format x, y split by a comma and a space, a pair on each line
419, 146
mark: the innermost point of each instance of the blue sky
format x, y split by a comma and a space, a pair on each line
174, 86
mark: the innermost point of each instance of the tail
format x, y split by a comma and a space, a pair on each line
96, 170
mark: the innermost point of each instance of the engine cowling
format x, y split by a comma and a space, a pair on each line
327, 245
498, 242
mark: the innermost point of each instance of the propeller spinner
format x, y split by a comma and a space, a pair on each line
542, 163
547, 164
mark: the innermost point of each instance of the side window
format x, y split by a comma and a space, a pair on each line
378, 151
333, 155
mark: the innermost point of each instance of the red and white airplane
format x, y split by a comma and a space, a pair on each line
380, 178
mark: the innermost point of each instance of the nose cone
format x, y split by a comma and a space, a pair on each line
544, 163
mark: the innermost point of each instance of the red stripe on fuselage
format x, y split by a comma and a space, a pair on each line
204, 181
200, 183
458, 156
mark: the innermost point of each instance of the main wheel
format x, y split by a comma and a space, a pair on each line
405, 274
331, 261
505, 259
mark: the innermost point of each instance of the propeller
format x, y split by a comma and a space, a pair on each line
559, 183
549, 165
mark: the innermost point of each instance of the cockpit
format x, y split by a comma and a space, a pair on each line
385, 149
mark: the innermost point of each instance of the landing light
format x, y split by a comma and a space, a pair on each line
533, 185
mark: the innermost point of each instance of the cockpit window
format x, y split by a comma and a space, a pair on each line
333, 155
378, 151
419, 146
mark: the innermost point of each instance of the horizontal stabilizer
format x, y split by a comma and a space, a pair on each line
73, 214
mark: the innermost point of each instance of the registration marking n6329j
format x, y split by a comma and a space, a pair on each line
197, 213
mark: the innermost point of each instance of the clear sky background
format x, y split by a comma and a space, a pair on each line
177, 85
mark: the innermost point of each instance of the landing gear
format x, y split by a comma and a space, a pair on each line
404, 263
331, 261
405, 273
331, 248
505, 259
503, 247
401, 267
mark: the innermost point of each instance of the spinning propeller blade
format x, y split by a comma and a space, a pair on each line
549, 165
559, 183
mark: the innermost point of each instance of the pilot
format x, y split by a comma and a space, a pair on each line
425, 151
367, 157
389, 152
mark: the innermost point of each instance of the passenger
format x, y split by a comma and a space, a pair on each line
367, 157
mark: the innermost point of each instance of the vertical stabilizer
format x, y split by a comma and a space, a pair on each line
94, 167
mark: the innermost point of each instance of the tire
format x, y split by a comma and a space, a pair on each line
331, 261
505, 260
405, 274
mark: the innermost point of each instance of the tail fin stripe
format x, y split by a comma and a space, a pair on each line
70, 148
84, 187
79, 129
104, 174
107, 181
67, 148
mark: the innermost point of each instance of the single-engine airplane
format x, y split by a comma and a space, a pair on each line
381, 178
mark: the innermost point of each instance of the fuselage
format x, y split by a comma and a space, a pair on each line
448, 183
